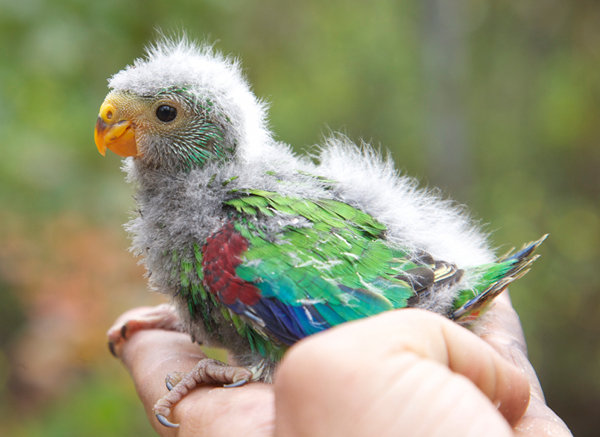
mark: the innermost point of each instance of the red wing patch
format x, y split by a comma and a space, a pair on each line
221, 255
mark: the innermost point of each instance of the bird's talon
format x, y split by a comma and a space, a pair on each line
124, 331
165, 422
172, 379
237, 383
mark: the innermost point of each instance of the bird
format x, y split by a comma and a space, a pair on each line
260, 247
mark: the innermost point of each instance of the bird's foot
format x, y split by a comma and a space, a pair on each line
173, 378
206, 371
159, 317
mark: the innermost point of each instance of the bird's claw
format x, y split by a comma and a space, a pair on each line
206, 371
236, 383
169, 385
165, 422
173, 378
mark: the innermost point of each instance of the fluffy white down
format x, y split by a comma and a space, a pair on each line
416, 218
181, 63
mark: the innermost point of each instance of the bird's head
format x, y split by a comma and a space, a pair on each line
180, 107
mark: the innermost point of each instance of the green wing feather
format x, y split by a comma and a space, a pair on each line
334, 266
340, 261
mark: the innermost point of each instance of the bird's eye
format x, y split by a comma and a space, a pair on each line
166, 113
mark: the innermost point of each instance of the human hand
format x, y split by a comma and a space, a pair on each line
407, 371
412, 372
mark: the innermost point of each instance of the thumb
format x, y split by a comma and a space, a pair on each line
415, 371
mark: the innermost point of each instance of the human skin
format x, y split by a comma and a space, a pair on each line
405, 372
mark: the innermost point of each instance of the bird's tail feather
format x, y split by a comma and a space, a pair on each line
517, 265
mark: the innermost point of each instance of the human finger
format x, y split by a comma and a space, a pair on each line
501, 328
402, 369
150, 355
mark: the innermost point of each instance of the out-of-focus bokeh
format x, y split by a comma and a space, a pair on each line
498, 103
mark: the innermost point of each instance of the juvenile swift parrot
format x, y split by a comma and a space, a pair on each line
260, 247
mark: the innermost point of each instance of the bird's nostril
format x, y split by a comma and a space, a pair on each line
107, 112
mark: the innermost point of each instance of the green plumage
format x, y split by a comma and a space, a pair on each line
332, 264
257, 270
342, 246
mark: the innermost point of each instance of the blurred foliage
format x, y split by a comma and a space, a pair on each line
495, 102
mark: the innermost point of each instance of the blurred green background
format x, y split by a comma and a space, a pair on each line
498, 103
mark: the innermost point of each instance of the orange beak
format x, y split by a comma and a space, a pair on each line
114, 134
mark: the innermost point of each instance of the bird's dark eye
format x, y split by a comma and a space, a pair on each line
166, 113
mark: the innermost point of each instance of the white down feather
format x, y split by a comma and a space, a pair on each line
416, 218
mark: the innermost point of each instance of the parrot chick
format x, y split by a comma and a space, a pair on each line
259, 247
